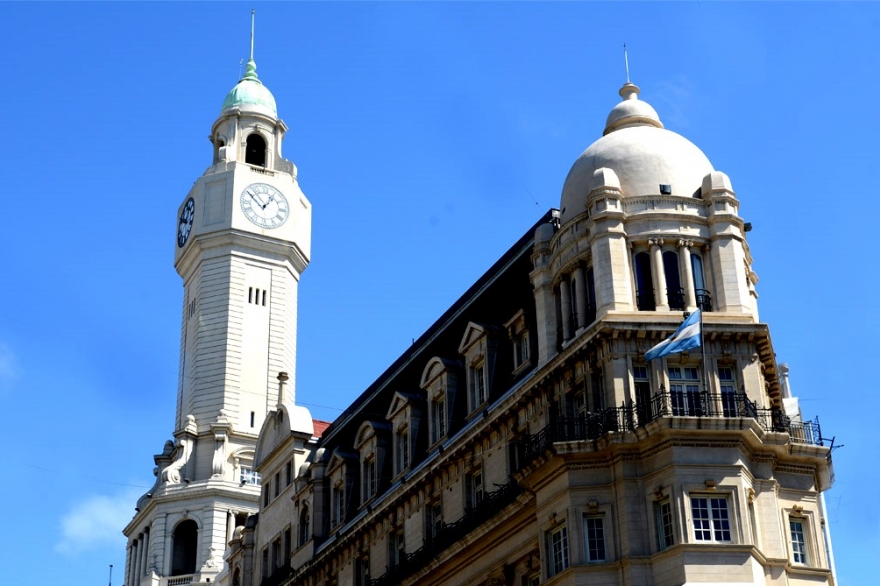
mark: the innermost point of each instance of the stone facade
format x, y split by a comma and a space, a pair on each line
524, 438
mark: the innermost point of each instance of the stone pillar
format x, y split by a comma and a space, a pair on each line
145, 556
137, 560
230, 525
687, 270
660, 299
128, 561
581, 300
565, 292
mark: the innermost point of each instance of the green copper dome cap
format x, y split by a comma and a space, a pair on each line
249, 92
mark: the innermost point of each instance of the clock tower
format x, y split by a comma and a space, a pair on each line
242, 241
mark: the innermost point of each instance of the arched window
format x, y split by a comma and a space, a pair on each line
218, 144
674, 292
644, 282
255, 150
236, 577
303, 525
184, 547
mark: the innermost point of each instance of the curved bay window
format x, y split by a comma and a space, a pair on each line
703, 299
184, 547
644, 282
674, 292
255, 150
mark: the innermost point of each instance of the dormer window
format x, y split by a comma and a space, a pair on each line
405, 416
255, 150
479, 346
519, 339
371, 445
440, 382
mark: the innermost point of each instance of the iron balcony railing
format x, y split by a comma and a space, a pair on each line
676, 299
645, 300
630, 416
446, 534
704, 299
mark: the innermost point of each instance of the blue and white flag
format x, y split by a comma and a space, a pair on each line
687, 336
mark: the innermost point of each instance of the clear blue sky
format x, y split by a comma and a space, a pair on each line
428, 138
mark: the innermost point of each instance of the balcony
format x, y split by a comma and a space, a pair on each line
645, 300
180, 580
704, 300
629, 417
676, 299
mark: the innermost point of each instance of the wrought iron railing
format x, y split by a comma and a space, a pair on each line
180, 580
278, 576
675, 298
645, 300
704, 299
449, 533
630, 416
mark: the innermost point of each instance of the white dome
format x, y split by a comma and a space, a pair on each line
642, 154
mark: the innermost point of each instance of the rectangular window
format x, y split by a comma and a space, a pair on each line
684, 390
711, 519
266, 494
276, 555
396, 548
434, 519
521, 349
287, 545
663, 519
277, 484
557, 551
338, 510
594, 531
288, 473
475, 492
362, 571
438, 422
798, 541
642, 383
248, 475
369, 479
477, 385
264, 567
728, 391
597, 388
402, 450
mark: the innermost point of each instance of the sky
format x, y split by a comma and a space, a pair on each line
428, 137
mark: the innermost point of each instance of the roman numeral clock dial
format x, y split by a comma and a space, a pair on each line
264, 205
185, 223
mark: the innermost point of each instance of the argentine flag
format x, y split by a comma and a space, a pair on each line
687, 336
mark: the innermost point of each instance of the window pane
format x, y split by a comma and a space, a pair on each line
595, 539
798, 543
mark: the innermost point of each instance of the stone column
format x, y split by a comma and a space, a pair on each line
581, 300
128, 561
565, 292
230, 525
145, 555
137, 561
659, 274
686, 269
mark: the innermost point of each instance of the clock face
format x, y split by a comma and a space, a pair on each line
185, 224
264, 205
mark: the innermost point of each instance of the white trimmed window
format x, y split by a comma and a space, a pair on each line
438, 419
477, 384
594, 534
337, 514
402, 441
797, 530
557, 551
474, 487
368, 478
434, 518
711, 519
684, 390
663, 519
727, 381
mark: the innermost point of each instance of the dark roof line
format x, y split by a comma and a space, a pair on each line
512, 253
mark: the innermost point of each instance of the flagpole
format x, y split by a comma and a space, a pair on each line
703, 346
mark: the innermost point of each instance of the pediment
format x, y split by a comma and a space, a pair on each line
435, 367
473, 333
399, 402
368, 430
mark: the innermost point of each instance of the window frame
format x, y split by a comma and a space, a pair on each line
799, 547
715, 519
558, 552
595, 534
664, 523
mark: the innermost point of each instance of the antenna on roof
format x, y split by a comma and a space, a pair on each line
625, 62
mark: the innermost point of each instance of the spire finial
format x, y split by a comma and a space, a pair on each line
254, 17
250, 70
625, 61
